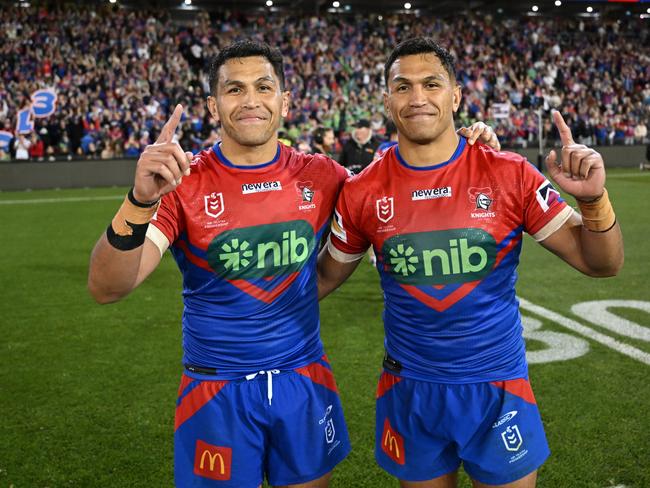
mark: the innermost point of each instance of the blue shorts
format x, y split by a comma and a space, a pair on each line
425, 430
287, 426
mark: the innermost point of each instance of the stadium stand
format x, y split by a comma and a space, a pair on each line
116, 71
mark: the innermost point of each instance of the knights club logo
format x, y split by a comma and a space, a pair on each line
214, 204
482, 197
385, 209
305, 190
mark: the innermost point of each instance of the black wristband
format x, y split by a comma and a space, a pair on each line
137, 203
126, 243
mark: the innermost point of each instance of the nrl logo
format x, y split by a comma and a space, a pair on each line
214, 204
512, 438
385, 209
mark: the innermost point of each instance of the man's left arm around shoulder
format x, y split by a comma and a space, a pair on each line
332, 272
591, 241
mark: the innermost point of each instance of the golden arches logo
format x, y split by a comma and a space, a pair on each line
212, 460
391, 443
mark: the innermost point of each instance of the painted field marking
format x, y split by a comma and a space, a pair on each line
578, 328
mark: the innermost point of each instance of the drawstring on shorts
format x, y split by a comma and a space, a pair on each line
269, 381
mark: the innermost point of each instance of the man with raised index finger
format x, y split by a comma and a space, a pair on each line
243, 221
445, 219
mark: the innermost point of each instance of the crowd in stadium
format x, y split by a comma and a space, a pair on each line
117, 71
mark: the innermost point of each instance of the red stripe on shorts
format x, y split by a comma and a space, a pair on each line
386, 382
319, 374
196, 399
519, 387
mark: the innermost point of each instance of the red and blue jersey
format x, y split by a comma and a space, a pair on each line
246, 239
447, 239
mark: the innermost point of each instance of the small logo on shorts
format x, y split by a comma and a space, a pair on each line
328, 410
504, 418
330, 432
212, 461
392, 443
512, 438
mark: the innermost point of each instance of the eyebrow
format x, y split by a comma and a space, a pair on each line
259, 80
402, 79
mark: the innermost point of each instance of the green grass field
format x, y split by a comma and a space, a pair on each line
87, 392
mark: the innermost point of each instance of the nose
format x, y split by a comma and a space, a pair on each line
250, 99
417, 98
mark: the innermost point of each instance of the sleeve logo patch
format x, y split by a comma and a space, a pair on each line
546, 195
337, 227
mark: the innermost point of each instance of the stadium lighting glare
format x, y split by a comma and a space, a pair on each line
407, 6
269, 3
590, 9
558, 3
535, 8
648, 10
112, 1
188, 2
336, 4
380, 17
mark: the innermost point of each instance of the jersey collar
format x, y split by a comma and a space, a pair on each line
459, 150
225, 161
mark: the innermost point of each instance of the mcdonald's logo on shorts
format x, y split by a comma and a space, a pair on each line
392, 443
212, 461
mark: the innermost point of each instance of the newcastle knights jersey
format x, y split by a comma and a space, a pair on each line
447, 239
246, 240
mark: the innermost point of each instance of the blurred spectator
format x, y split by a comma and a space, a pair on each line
37, 147
360, 148
324, 141
21, 146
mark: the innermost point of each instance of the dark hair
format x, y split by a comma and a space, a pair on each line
421, 45
319, 134
245, 49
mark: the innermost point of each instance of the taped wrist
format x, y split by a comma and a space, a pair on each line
129, 226
597, 215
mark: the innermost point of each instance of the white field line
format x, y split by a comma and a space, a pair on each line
638, 174
60, 200
577, 327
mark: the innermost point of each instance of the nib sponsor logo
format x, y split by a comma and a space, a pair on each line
440, 257
262, 251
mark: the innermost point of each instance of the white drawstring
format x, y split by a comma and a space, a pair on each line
269, 381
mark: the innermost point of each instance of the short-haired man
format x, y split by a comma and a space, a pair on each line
446, 219
324, 141
243, 221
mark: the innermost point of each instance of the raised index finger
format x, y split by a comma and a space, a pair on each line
167, 132
565, 133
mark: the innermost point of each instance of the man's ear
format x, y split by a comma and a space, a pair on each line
286, 100
212, 108
458, 94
